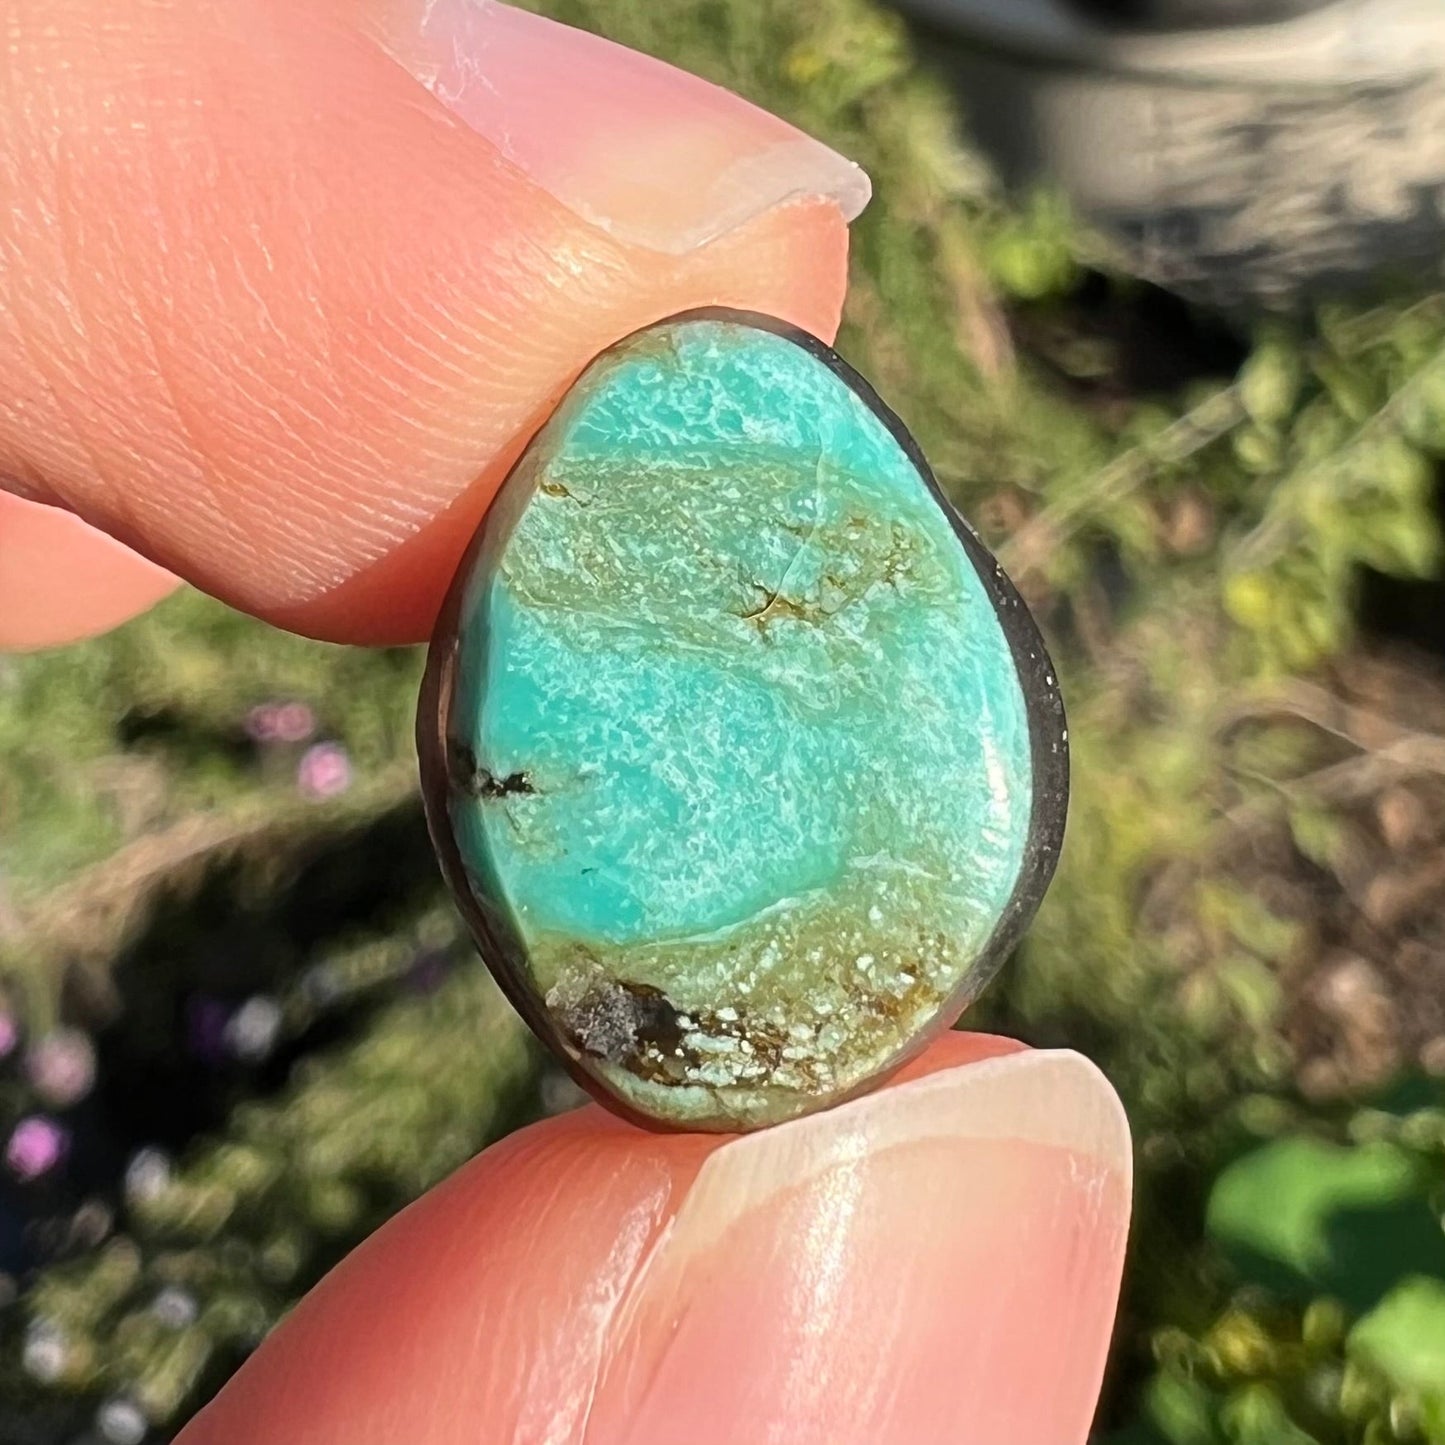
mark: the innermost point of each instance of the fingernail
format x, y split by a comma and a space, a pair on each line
645, 152
937, 1261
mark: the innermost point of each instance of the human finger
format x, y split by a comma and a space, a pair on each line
61, 580
284, 288
936, 1261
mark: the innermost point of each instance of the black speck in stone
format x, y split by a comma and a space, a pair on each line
479, 782
619, 1020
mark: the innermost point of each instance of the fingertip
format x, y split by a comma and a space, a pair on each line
61, 580
940, 1258
943, 1253
647, 153
955, 1049
481, 1311
325, 301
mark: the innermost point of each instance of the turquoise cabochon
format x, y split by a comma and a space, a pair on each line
745, 760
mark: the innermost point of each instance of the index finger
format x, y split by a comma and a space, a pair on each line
284, 288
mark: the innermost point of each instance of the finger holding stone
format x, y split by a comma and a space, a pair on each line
939, 1260
328, 291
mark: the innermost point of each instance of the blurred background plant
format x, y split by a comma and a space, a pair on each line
239, 1026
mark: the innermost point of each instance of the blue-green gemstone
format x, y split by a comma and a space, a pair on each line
743, 757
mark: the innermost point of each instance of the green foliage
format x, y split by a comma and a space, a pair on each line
1340, 449
1403, 1338
249, 1220
1332, 1323
1193, 547
1309, 1217
146, 726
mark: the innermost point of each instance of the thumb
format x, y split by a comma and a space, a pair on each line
284, 288
934, 1262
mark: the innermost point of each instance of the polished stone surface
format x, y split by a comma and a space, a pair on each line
739, 777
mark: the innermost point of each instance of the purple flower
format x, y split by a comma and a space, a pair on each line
61, 1067
36, 1147
206, 1022
261, 722
324, 771
429, 971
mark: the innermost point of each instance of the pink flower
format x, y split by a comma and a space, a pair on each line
36, 1147
261, 723
61, 1067
324, 771
294, 722
280, 722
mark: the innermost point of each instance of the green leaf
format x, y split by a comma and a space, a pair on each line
1423, 413
1404, 1336
1256, 1415
1305, 1217
1317, 833
1180, 1411
1269, 382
